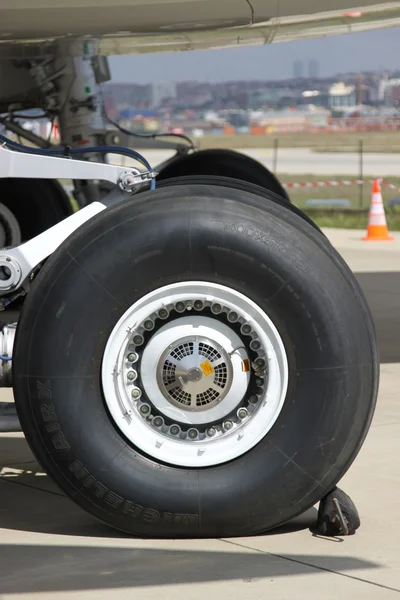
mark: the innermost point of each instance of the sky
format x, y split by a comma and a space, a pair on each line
339, 54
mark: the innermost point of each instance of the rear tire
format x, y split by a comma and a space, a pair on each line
37, 204
80, 309
217, 181
223, 163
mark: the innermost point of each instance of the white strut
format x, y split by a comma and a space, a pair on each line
16, 264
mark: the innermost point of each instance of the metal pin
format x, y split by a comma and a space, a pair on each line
341, 517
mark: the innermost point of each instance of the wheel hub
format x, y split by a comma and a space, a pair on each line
192, 373
196, 374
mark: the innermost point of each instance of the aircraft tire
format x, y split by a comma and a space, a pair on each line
223, 163
195, 362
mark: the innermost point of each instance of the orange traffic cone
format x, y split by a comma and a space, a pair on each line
377, 227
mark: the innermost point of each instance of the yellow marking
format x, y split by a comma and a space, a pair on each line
207, 367
246, 365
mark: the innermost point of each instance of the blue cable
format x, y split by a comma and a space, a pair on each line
62, 152
6, 358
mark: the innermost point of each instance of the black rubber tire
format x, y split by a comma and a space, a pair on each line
37, 204
238, 184
223, 163
196, 233
10, 232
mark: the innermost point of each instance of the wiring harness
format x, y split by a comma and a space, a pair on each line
67, 151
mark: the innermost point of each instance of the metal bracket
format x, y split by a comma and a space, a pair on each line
35, 166
17, 264
340, 516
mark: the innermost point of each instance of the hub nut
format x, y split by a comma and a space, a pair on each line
228, 425
242, 413
131, 375
136, 393
192, 434
255, 345
132, 357
216, 309
144, 409
174, 430
245, 329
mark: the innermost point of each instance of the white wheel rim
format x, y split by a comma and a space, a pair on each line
194, 414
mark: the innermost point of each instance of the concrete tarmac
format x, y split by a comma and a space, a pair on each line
51, 549
301, 161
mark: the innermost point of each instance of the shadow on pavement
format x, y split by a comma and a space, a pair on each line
52, 568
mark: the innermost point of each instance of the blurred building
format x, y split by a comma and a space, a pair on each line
292, 121
389, 92
342, 96
162, 92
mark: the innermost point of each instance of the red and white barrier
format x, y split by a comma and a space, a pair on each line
318, 184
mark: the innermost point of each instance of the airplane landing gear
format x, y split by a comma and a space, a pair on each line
195, 362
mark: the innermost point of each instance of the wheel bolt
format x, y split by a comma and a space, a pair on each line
216, 308
255, 345
136, 393
132, 357
158, 422
163, 313
148, 325
233, 316
144, 409
192, 434
198, 304
131, 375
211, 431
138, 340
246, 329
253, 399
228, 425
175, 430
179, 306
259, 382
260, 362
242, 413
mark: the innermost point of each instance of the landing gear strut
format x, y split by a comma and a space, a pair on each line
182, 358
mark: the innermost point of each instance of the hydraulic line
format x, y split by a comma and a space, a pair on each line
65, 152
